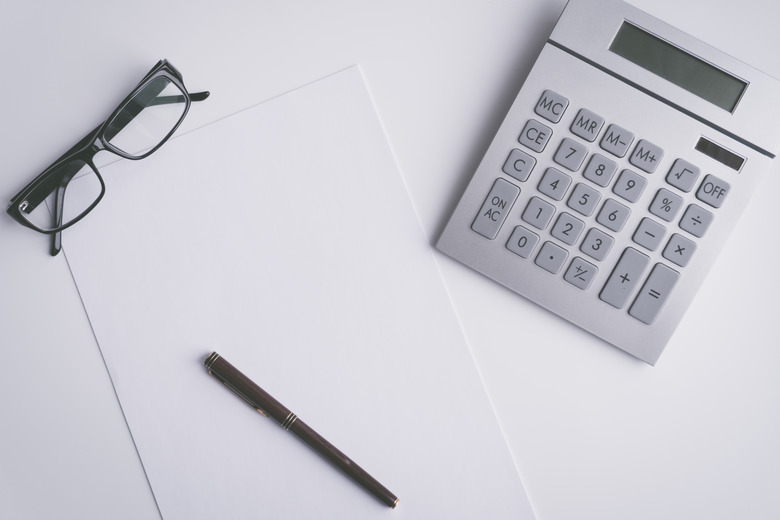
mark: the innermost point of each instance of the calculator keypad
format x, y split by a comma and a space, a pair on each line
599, 202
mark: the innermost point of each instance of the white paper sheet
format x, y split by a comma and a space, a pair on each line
283, 238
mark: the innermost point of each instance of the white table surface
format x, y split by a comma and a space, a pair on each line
594, 433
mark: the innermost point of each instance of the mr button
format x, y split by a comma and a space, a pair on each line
713, 191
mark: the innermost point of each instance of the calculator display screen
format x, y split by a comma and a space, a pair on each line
677, 66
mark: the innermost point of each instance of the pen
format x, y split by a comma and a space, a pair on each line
261, 401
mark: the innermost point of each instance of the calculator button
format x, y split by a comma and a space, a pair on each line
538, 213
587, 125
679, 250
570, 154
522, 242
654, 293
551, 106
495, 208
666, 204
519, 165
613, 215
624, 278
616, 140
580, 273
646, 156
629, 186
597, 244
554, 184
551, 257
567, 229
584, 199
713, 191
600, 170
683, 175
649, 234
535, 135
696, 220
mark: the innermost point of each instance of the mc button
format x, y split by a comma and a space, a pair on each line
713, 191
551, 106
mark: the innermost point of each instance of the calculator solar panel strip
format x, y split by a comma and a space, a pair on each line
595, 95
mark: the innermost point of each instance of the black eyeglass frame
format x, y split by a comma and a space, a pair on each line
54, 177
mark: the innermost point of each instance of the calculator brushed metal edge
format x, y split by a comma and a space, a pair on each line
618, 102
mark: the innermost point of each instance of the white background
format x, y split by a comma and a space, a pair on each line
594, 433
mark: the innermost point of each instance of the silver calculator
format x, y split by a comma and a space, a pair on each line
618, 173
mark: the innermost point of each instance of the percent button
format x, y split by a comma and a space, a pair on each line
666, 205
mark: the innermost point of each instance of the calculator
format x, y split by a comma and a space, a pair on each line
618, 174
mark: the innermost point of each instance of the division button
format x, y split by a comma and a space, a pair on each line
495, 208
654, 293
696, 220
624, 278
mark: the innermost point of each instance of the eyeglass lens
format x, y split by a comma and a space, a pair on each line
147, 118
82, 191
137, 128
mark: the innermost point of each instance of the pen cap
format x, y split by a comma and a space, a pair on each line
246, 389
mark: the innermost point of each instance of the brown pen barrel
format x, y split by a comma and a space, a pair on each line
344, 463
262, 401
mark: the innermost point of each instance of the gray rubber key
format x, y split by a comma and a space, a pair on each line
654, 293
495, 208
624, 278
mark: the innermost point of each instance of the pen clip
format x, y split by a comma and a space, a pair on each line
239, 394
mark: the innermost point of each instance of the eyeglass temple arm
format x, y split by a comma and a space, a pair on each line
59, 199
139, 103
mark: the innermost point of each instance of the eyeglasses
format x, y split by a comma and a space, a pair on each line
72, 185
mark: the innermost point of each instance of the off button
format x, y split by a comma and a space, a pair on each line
713, 191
